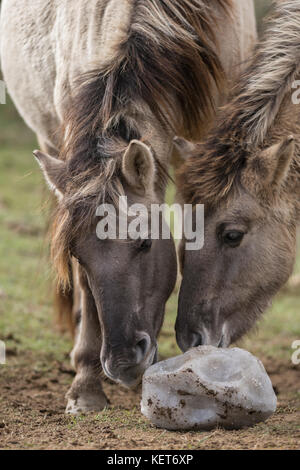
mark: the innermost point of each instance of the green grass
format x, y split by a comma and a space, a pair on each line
25, 288
262, 7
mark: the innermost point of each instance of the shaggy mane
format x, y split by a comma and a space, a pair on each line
168, 63
243, 124
210, 173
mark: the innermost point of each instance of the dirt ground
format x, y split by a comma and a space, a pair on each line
32, 405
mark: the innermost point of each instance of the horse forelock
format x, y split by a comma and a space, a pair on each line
212, 172
75, 216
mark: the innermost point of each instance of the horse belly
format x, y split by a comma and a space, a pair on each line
28, 63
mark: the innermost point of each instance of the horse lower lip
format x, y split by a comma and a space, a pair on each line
107, 373
131, 383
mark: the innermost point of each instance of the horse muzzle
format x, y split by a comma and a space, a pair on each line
121, 368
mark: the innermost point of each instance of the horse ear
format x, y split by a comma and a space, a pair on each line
138, 166
54, 171
277, 160
184, 147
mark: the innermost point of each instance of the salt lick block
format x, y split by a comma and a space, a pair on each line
208, 387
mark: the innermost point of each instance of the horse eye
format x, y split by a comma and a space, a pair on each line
233, 238
146, 244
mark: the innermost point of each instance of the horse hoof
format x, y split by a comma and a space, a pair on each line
86, 404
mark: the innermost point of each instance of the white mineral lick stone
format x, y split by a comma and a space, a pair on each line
208, 387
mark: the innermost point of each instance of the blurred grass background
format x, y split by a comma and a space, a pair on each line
262, 7
25, 281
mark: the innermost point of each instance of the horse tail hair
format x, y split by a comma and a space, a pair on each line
64, 305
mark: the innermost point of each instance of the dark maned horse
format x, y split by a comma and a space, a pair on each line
147, 69
247, 175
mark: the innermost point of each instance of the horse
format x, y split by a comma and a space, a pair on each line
246, 173
119, 79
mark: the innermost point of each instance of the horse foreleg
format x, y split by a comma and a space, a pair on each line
86, 392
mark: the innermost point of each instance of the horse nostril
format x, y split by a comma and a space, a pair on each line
221, 342
142, 348
197, 340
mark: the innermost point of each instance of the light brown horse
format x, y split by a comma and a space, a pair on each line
120, 78
247, 174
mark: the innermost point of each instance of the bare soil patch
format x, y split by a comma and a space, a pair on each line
32, 416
